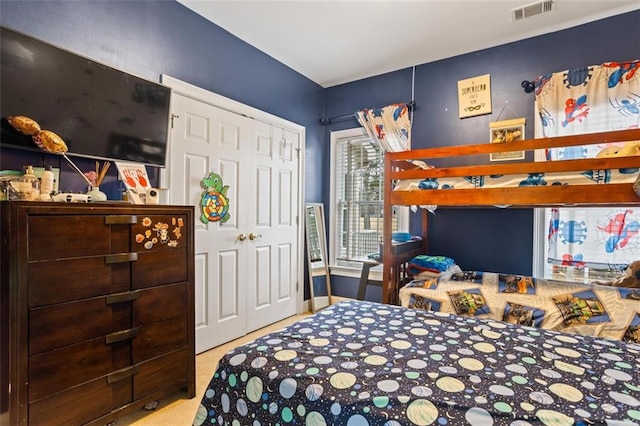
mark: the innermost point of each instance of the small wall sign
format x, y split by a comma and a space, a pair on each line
474, 96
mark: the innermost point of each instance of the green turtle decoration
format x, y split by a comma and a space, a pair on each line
214, 203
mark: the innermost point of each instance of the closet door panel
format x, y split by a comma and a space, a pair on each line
256, 166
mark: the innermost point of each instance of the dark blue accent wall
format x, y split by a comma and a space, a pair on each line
150, 38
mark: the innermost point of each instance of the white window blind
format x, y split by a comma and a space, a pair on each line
359, 190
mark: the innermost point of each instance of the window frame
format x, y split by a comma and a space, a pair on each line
352, 269
540, 267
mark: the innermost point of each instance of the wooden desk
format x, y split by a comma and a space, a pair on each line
401, 254
367, 264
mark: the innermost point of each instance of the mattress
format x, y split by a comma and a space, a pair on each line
363, 363
587, 177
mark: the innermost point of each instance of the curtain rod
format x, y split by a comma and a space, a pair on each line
324, 121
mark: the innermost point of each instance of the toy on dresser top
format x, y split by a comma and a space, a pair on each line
30, 187
68, 197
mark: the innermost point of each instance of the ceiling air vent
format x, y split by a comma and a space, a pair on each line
533, 9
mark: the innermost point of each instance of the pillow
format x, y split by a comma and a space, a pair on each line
423, 262
425, 275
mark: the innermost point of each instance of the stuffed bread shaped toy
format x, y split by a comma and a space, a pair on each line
630, 278
629, 149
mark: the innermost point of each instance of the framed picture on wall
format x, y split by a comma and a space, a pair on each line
507, 131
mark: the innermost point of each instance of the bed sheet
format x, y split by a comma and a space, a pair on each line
587, 177
360, 363
594, 310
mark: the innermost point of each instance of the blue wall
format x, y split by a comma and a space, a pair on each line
149, 38
473, 237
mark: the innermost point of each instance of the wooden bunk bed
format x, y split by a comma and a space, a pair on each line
401, 166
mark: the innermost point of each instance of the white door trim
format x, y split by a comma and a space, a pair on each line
203, 95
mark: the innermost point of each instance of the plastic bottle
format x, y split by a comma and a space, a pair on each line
46, 184
26, 187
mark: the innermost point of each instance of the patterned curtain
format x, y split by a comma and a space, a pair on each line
390, 126
587, 100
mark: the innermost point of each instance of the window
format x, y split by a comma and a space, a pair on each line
357, 198
548, 223
574, 268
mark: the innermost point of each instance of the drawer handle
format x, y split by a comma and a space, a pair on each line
121, 219
122, 297
121, 374
119, 336
121, 258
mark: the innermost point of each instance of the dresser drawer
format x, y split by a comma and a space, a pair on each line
72, 279
168, 371
160, 303
59, 237
53, 371
159, 267
80, 404
160, 337
64, 324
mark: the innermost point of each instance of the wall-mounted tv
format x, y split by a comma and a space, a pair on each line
99, 111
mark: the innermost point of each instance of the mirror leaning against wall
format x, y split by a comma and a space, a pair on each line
317, 259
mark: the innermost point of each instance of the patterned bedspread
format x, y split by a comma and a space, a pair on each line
587, 177
362, 363
593, 310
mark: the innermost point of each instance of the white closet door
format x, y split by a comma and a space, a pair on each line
247, 267
273, 243
208, 139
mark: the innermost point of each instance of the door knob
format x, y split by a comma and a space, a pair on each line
253, 236
241, 237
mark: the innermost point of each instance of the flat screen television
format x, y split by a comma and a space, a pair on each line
100, 112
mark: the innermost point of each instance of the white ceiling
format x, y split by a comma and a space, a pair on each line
338, 41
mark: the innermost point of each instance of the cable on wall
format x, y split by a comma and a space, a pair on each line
412, 103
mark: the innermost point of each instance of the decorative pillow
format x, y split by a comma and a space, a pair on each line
423, 262
426, 275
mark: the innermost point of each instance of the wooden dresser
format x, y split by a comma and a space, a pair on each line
96, 310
